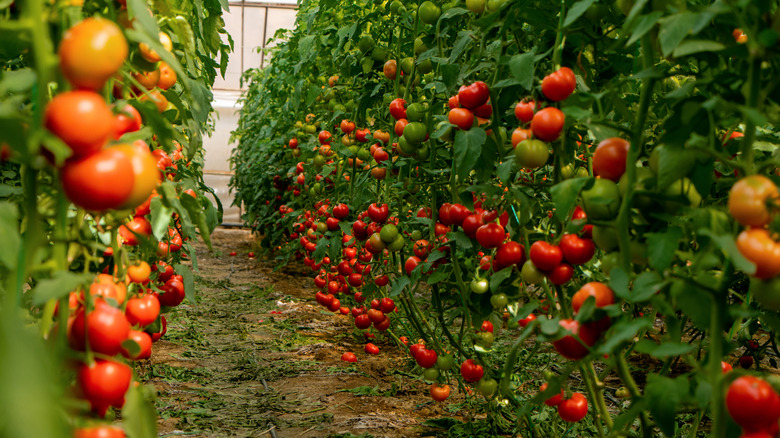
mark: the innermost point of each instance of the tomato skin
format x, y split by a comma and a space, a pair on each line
371, 348
462, 118
474, 95
91, 52
144, 341
609, 159
349, 357
561, 274
602, 201
167, 76
757, 246
439, 393
490, 235
106, 328
752, 403
545, 256
137, 226
559, 84
531, 154
520, 134
128, 119
577, 250
411, 263
81, 119
104, 384
471, 224
600, 291
524, 111
508, 254
748, 200
139, 272
527, 320
426, 358
554, 400
378, 213
398, 109
390, 69
530, 273
573, 409
547, 124
142, 310
458, 214
102, 431
471, 371
173, 292
568, 346
99, 182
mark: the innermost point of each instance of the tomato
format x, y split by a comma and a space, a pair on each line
349, 357
530, 273
439, 393
127, 119
458, 214
487, 386
520, 134
168, 76
444, 213
461, 117
490, 235
101, 431
479, 285
429, 13
152, 56
139, 272
757, 246
524, 110
445, 362
378, 213
499, 301
573, 409
453, 102
485, 111
82, 119
746, 361
422, 248
600, 291
324, 137
91, 52
106, 328
144, 342
559, 84
476, 6
371, 348
547, 124
173, 292
545, 256
725, 367
411, 263
415, 132
142, 310
561, 274
752, 403
602, 200
748, 200
104, 383
554, 400
471, 224
569, 346
508, 254
362, 321
397, 110
609, 160
474, 95
471, 371
346, 126
426, 358
531, 154
577, 250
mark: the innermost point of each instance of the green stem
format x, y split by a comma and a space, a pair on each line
754, 81
559, 39
633, 389
511, 358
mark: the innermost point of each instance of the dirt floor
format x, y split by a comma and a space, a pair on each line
228, 366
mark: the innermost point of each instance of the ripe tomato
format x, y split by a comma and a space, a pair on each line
757, 246
378, 213
439, 393
371, 348
752, 403
349, 357
520, 134
524, 110
573, 409
102, 431
411, 263
462, 118
152, 56
559, 85
531, 154
545, 256
341, 211
100, 181
561, 274
490, 235
508, 254
105, 327
91, 52
104, 383
547, 124
81, 119
748, 200
173, 292
346, 126
387, 305
143, 310
600, 291
139, 272
527, 320
362, 321
426, 358
127, 119
397, 110
147, 79
167, 76
554, 400
471, 224
474, 95
571, 348
577, 250
471, 371
135, 230
458, 214
609, 160
144, 342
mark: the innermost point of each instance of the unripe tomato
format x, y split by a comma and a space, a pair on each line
151, 55
530, 273
91, 52
602, 201
487, 386
479, 285
531, 154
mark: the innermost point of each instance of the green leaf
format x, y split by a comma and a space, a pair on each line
441, 274
674, 162
674, 28
131, 346
188, 280
9, 235
645, 23
646, 285
665, 349
663, 395
468, 147
504, 170
138, 414
461, 240
321, 249
499, 277
618, 282
61, 283
695, 46
465, 37
626, 419
623, 331
139, 11
522, 68
661, 247
398, 285
694, 302
728, 245
565, 194
576, 10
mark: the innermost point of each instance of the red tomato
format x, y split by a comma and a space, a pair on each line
462, 118
577, 250
600, 291
411, 263
474, 95
571, 348
547, 124
378, 213
554, 400
561, 274
524, 110
346, 126
127, 119
609, 160
471, 224
752, 403
101, 181
106, 328
104, 384
426, 358
341, 211
748, 200
137, 227
439, 393
102, 431
349, 357
545, 256
371, 348
144, 342
386, 305
508, 254
725, 367
398, 109
559, 85
471, 371
573, 409
444, 214
422, 248
757, 246
173, 292
362, 322
82, 119
324, 137
527, 320
458, 213
142, 310
490, 235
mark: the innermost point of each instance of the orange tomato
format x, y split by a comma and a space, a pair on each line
151, 55
757, 245
167, 76
91, 52
748, 200
147, 177
82, 119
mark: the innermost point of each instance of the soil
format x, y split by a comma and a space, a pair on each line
228, 366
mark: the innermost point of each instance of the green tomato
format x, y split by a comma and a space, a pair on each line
494, 5
366, 43
638, 253
479, 285
684, 188
397, 244
405, 147
605, 238
645, 179
364, 154
582, 172
321, 227
532, 154
531, 274
415, 112
407, 64
499, 301
609, 261
602, 201
415, 132
397, 7
419, 46
486, 339
431, 374
487, 386
379, 54
423, 152
445, 362
416, 235
388, 233
429, 13
425, 66
476, 6
567, 171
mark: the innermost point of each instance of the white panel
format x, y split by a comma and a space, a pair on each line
217, 147
231, 215
278, 18
233, 25
254, 20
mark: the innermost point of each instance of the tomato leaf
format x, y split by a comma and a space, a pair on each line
665, 349
646, 285
674, 162
695, 46
673, 29
618, 281
663, 395
694, 302
623, 331
321, 249
397, 286
468, 147
461, 240
565, 194
465, 37
522, 68
661, 247
641, 27
138, 414
626, 419
499, 277
576, 10
131, 346
188, 280
61, 283
728, 245
442, 273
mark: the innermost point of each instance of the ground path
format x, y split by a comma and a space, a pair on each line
230, 367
